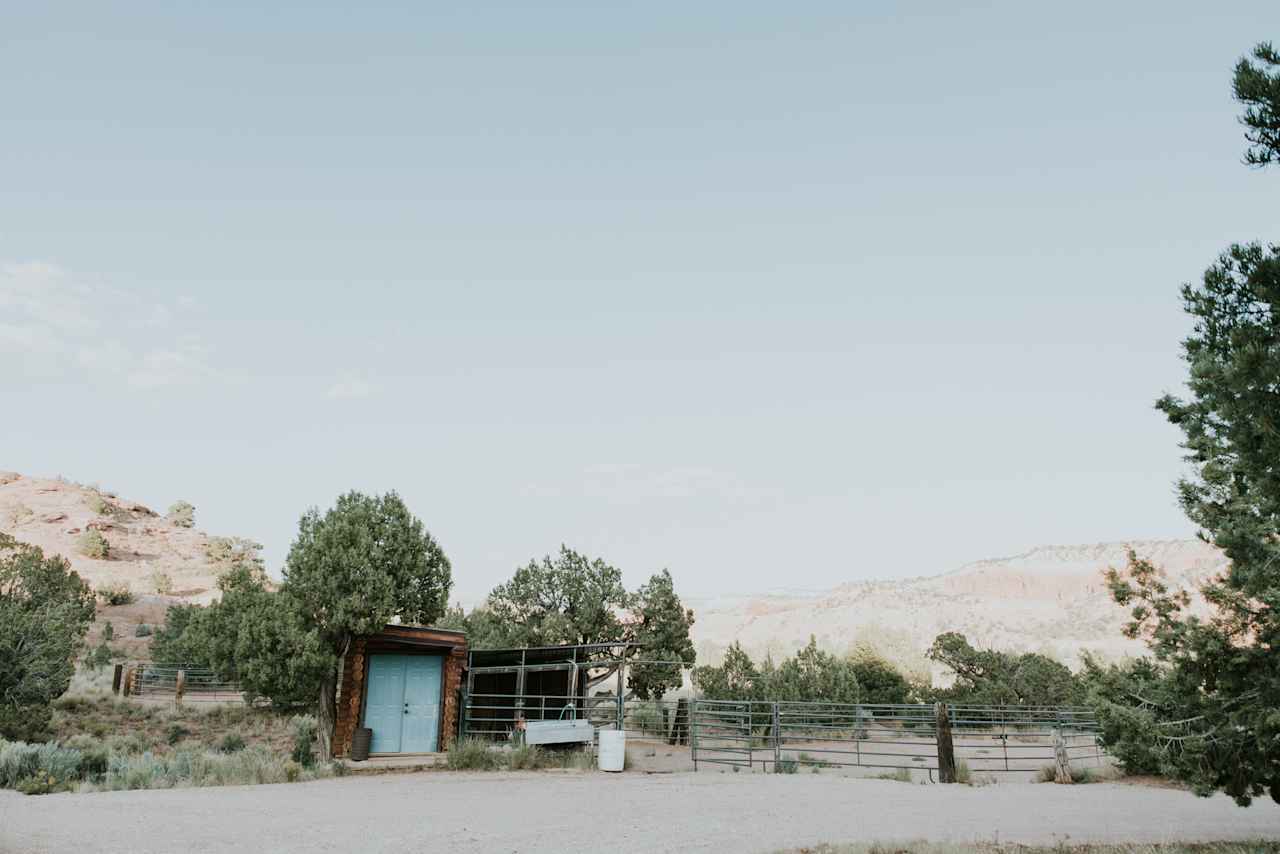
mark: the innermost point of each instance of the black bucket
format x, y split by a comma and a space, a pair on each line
360, 740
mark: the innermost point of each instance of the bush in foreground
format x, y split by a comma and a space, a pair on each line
473, 754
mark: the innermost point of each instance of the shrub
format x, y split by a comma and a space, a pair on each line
162, 582
898, 775
526, 757
962, 773
142, 631
786, 766
175, 733
304, 733
99, 505
92, 544
42, 767
108, 632
128, 744
251, 766
100, 656
232, 742
18, 514
118, 593
472, 754
93, 756
182, 514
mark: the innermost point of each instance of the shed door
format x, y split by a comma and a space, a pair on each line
421, 703
384, 702
402, 704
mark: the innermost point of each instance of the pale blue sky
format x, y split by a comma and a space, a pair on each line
769, 294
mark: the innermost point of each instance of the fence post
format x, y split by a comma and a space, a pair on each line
115, 678
464, 709
621, 690
179, 687
777, 739
1061, 760
946, 747
693, 731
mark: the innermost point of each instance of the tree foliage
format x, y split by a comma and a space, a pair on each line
572, 599
660, 629
576, 599
811, 675
1213, 719
990, 677
350, 572
880, 682
45, 611
1257, 87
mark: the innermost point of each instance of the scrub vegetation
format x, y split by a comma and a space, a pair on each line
471, 754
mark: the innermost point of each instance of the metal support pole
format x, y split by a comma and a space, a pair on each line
693, 732
621, 710
777, 738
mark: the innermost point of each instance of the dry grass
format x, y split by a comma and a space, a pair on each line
471, 754
91, 710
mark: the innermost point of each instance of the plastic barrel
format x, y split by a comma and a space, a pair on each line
360, 744
613, 750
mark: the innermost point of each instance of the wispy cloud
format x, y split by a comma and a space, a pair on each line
350, 386
57, 324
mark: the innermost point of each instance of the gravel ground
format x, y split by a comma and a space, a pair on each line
560, 811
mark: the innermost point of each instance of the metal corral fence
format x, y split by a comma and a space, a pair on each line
495, 716
987, 739
180, 683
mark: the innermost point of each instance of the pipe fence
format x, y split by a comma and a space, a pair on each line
987, 739
177, 682
495, 717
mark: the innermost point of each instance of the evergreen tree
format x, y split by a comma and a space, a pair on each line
1214, 719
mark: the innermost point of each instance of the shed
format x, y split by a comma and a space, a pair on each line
505, 686
403, 684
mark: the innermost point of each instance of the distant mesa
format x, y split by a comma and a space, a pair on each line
1050, 599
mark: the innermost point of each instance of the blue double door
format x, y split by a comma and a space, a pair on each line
402, 704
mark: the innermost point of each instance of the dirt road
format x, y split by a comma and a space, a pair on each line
556, 812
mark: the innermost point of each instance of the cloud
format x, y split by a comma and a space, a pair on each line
350, 386
56, 325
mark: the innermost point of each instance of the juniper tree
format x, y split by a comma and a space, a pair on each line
1215, 714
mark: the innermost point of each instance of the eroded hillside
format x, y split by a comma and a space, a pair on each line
150, 553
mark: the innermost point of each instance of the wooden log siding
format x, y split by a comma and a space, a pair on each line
451, 645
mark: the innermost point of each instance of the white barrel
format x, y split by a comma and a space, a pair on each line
613, 750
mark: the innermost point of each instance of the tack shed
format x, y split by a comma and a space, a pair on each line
506, 686
403, 684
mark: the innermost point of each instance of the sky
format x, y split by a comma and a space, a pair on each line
771, 295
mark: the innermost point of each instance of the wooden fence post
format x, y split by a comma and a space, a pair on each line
1061, 760
946, 747
115, 678
179, 687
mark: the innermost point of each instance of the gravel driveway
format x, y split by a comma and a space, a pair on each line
556, 812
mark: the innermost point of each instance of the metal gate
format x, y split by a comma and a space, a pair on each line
720, 732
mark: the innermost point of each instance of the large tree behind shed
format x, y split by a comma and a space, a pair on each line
353, 569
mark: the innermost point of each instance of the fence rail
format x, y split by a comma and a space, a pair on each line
496, 716
180, 683
987, 739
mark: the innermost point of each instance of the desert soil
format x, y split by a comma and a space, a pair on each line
630, 812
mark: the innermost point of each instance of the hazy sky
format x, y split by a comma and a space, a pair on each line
768, 294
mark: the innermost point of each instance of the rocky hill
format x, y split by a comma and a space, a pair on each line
1051, 599
158, 557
